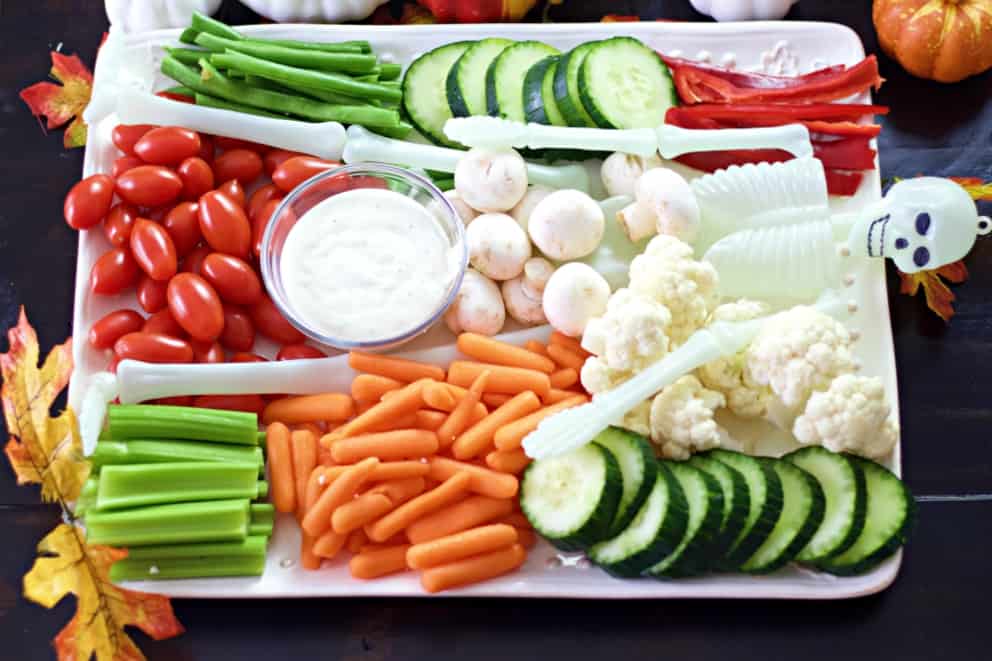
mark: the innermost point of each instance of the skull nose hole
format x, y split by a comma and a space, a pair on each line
901, 243
922, 223
921, 256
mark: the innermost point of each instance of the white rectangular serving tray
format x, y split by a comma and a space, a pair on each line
773, 47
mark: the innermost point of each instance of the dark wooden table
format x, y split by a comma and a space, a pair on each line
937, 609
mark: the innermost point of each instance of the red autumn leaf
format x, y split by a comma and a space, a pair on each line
938, 295
61, 104
978, 189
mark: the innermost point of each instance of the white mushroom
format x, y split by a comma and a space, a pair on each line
575, 294
567, 224
638, 221
478, 307
667, 196
497, 246
523, 295
525, 207
465, 212
491, 180
620, 171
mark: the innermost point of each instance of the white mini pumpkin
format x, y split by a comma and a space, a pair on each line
314, 11
744, 10
141, 15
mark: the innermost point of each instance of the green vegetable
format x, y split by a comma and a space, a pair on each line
705, 499
397, 132
323, 95
262, 519
136, 485
87, 496
245, 558
465, 84
134, 421
638, 470
389, 71
213, 102
188, 56
250, 545
504, 78
445, 183
354, 46
262, 489
181, 90
139, 451
207, 521
423, 91
309, 59
203, 23
566, 85
188, 36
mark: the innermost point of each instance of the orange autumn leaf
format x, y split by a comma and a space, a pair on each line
977, 188
938, 295
61, 104
66, 565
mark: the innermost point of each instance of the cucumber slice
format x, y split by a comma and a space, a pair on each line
705, 498
736, 501
566, 86
623, 84
571, 499
638, 469
890, 514
765, 495
652, 535
504, 78
847, 500
802, 513
466, 82
539, 94
423, 101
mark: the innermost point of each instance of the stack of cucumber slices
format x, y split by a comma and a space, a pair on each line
634, 515
613, 83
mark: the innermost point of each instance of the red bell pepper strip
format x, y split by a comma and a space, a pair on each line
182, 98
845, 154
840, 181
687, 117
707, 84
843, 183
828, 112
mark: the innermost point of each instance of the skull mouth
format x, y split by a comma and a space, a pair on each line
876, 236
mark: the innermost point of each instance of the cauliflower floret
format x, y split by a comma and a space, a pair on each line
798, 352
638, 419
597, 377
852, 415
682, 418
667, 274
727, 375
631, 335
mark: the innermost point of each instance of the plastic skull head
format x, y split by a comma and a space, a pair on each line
922, 224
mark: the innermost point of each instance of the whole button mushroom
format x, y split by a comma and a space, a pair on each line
477, 308
575, 294
566, 225
491, 181
497, 246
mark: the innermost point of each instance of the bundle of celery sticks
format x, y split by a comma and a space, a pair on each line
177, 486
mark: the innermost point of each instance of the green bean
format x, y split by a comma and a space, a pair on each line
389, 71
188, 36
127, 421
445, 183
308, 59
397, 132
367, 78
188, 56
180, 90
203, 23
329, 97
281, 73
327, 47
208, 101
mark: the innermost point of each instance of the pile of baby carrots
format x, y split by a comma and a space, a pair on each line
417, 468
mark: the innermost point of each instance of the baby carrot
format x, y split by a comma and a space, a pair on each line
329, 544
395, 540
308, 559
356, 513
566, 358
472, 570
556, 396
332, 473
362, 407
495, 400
536, 347
570, 343
400, 491
487, 350
398, 470
373, 564
564, 378
403, 422
388, 446
512, 461
407, 400
527, 537
356, 541
283, 481
508, 380
371, 387
430, 420
469, 513
309, 408
459, 546
424, 504
318, 517
516, 519
509, 437
461, 417
484, 482
477, 438
311, 427
316, 484
393, 368
303, 449
439, 396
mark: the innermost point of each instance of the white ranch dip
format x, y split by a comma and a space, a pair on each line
367, 264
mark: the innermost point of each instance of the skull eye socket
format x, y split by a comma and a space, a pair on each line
922, 223
901, 244
921, 256
984, 225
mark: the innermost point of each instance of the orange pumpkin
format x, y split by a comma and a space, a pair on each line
945, 40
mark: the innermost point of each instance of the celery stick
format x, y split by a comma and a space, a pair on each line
262, 519
260, 439
127, 421
87, 495
262, 490
140, 451
176, 523
173, 568
251, 545
136, 485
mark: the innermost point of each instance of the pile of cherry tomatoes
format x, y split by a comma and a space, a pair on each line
186, 238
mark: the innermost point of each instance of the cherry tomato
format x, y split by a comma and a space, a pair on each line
193, 262
234, 190
241, 164
149, 186
245, 357
239, 332
196, 306
294, 171
207, 352
260, 198
298, 351
163, 323
178, 400
273, 159
234, 279
113, 272
234, 143
88, 201
167, 145
155, 213
151, 294
118, 224
197, 177
224, 225
153, 348
125, 136
123, 164
110, 327
112, 365
270, 322
183, 226
247, 403
153, 249
206, 148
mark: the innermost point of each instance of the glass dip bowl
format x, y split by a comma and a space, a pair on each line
404, 193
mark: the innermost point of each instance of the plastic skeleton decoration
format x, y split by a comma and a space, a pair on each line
769, 232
